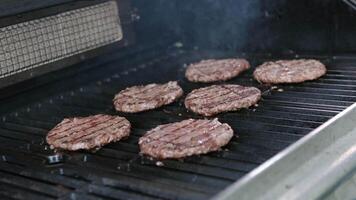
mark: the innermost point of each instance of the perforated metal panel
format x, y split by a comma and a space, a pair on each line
34, 43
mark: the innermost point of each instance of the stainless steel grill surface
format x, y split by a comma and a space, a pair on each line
29, 169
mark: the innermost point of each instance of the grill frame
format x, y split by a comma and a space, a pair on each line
318, 166
117, 182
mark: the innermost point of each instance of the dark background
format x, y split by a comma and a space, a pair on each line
288, 26
275, 27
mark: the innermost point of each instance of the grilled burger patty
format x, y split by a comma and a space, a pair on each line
140, 98
185, 138
215, 99
88, 132
216, 70
289, 71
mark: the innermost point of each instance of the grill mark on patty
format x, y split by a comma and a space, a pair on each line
214, 70
216, 99
83, 129
184, 139
146, 99
210, 102
178, 128
222, 100
162, 93
202, 73
84, 125
197, 137
140, 89
201, 92
212, 92
289, 71
143, 99
134, 95
88, 132
91, 132
76, 128
158, 136
220, 96
210, 97
180, 134
156, 92
203, 139
205, 95
197, 131
59, 126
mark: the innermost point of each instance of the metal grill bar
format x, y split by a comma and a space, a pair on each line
34, 43
117, 171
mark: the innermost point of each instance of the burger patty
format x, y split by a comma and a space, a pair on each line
216, 70
289, 71
140, 98
185, 138
215, 99
88, 132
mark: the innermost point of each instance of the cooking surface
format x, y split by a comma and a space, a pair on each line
29, 169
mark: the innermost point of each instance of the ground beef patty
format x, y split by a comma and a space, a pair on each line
88, 132
289, 71
216, 70
140, 98
215, 99
185, 138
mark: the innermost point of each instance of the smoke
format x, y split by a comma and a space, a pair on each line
218, 24
251, 26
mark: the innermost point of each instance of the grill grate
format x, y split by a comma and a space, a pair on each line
37, 42
29, 169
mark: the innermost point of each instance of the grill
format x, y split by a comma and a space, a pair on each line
30, 169
84, 52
